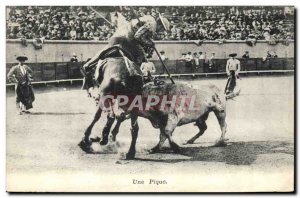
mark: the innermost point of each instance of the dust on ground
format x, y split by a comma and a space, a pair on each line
260, 132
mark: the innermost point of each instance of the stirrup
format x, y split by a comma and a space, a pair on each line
158, 82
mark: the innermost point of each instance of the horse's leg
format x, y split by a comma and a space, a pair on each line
106, 130
85, 142
221, 119
162, 139
201, 124
134, 135
115, 131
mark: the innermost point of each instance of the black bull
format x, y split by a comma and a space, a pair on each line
117, 79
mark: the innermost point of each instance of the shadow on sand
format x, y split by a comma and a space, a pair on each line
55, 113
235, 153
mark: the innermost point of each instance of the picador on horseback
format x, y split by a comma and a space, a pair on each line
116, 70
131, 40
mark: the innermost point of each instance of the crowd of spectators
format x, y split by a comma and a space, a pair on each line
57, 23
186, 23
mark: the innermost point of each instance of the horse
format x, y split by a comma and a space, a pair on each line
118, 70
118, 76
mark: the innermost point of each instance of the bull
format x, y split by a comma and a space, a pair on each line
207, 98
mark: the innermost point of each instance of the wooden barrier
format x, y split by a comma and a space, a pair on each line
190, 75
67, 70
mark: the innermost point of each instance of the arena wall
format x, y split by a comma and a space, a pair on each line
61, 51
60, 71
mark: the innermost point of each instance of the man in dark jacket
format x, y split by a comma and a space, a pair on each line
74, 58
21, 75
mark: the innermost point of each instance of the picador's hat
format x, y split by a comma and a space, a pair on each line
22, 58
233, 55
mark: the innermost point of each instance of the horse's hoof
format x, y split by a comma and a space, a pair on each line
189, 142
177, 150
84, 143
85, 147
104, 141
96, 139
130, 156
221, 143
152, 151
112, 138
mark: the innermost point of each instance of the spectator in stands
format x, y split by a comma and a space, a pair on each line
269, 55
246, 55
201, 59
188, 23
211, 62
206, 63
189, 62
201, 56
188, 59
183, 55
74, 58
162, 55
85, 36
196, 59
266, 34
73, 33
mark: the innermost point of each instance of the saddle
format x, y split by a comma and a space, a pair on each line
114, 52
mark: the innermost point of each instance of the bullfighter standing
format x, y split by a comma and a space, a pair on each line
232, 69
21, 75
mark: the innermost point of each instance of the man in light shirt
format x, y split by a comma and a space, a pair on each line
183, 56
189, 57
188, 62
162, 55
232, 69
196, 58
201, 59
148, 68
201, 56
211, 62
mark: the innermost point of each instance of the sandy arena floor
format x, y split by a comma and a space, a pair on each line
42, 151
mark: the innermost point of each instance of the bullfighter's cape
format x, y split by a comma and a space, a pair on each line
25, 95
23, 88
